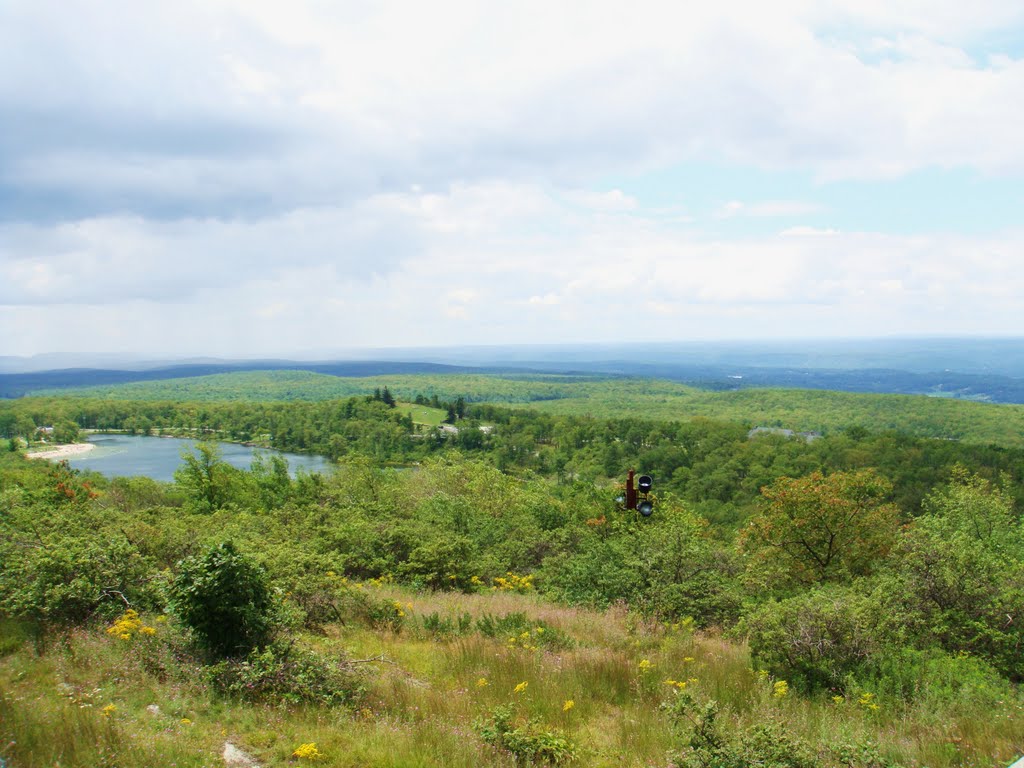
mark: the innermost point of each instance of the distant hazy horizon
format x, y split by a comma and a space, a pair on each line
993, 355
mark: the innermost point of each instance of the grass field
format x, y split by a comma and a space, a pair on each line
595, 686
422, 414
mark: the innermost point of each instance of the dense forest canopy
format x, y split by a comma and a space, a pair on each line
612, 397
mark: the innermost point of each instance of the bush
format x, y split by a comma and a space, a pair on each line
290, 675
707, 743
521, 630
71, 580
956, 591
526, 740
444, 627
224, 599
816, 639
443, 564
961, 681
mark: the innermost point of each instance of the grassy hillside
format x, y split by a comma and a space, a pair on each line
599, 690
802, 410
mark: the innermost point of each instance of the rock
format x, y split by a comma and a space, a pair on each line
236, 758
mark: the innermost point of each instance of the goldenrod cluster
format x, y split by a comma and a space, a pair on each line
527, 640
513, 583
308, 752
128, 625
867, 701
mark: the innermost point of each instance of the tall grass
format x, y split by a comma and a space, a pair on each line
93, 700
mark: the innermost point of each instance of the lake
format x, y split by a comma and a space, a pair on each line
159, 457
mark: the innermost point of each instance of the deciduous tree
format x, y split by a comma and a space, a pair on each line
823, 528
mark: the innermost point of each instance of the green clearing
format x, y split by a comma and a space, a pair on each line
422, 414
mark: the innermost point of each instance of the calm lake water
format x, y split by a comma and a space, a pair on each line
158, 457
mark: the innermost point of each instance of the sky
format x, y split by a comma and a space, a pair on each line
244, 178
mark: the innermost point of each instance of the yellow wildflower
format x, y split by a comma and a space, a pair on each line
108, 710
569, 704
521, 687
186, 721
867, 701
645, 664
308, 752
482, 682
780, 689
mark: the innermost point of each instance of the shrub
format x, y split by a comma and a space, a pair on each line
223, 597
816, 638
957, 591
522, 630
290, 675
448, 626
707, 743
443, 564
528, 741
70, 580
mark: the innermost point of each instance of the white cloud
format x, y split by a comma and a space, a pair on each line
402, 173
236, 105
546, 272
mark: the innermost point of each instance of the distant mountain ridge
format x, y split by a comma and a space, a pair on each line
975, 369
19, 384
983, 387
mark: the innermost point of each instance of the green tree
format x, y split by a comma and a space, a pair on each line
970, 505
223, 597
205, 477
822, 528
66, 431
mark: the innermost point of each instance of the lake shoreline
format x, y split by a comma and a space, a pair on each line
160, 457
62, 452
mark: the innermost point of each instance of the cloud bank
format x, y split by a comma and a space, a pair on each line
266, 178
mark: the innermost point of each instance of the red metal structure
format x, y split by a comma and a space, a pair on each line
631, 497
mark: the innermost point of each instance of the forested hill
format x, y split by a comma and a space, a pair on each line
983, 382
20, 384
799, 410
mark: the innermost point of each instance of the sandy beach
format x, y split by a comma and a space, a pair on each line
62, 451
